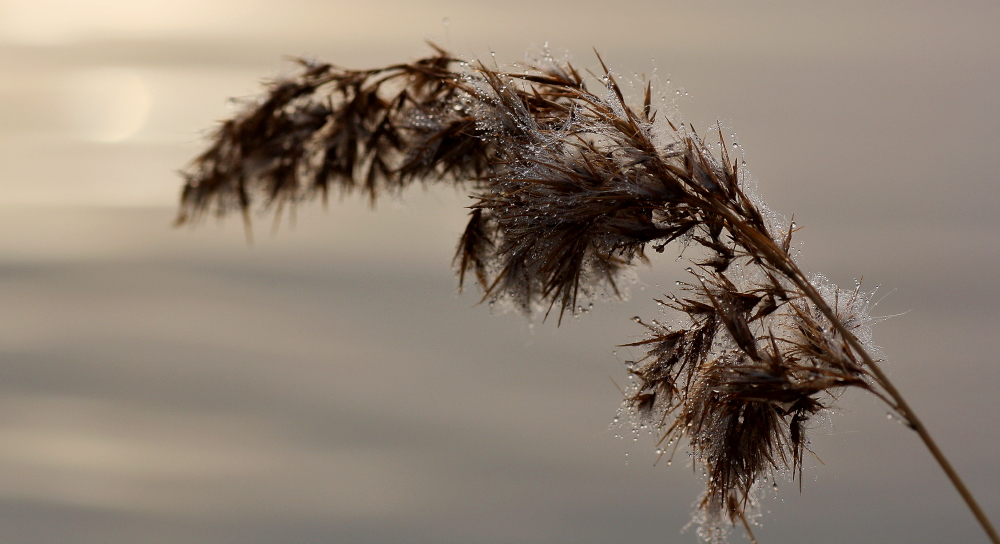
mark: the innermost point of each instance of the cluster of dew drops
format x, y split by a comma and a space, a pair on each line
636, 427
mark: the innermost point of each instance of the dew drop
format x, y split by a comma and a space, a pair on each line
669, 462
775, 486
637, 319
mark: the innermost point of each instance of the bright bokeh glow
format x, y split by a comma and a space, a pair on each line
108, 104
57, 22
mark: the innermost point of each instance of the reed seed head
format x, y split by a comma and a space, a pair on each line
570, 186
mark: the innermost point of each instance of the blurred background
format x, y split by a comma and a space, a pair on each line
328, 384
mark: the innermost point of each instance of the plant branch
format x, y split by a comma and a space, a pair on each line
902, 406
570, 188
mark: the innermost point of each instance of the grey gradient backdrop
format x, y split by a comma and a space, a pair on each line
328, 385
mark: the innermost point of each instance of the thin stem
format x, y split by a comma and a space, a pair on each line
746, 526
901, 405
780, 258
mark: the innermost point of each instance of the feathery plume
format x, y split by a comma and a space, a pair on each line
570, 187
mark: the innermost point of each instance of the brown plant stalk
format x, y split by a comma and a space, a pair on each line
570, 188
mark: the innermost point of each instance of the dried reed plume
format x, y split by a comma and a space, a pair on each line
571, 186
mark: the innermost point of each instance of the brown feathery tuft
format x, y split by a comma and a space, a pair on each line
570, 186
